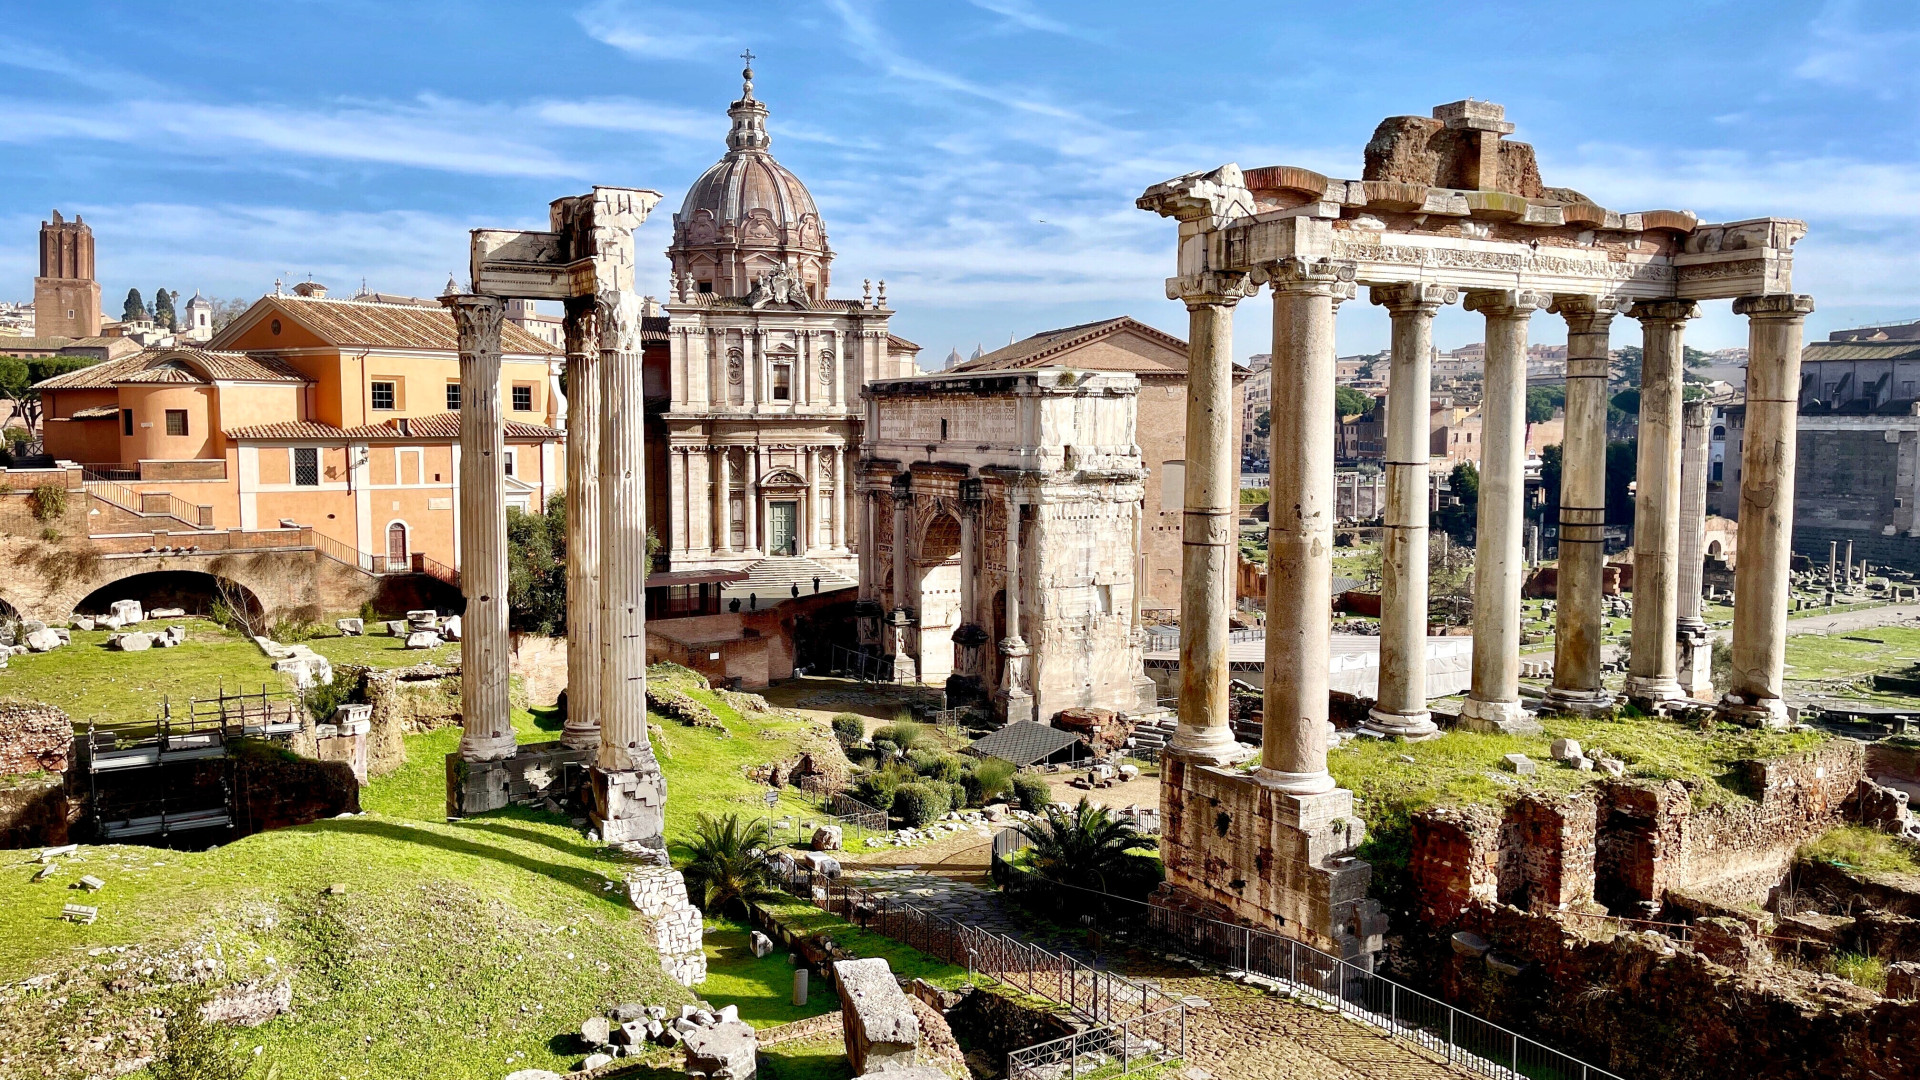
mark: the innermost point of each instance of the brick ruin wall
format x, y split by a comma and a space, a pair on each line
1627, 844
34, 738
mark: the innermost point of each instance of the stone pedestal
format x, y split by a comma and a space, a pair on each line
1268, 857
529, 778
630, 805
906, 665
1016, 703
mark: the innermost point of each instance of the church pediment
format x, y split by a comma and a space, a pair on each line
783, 478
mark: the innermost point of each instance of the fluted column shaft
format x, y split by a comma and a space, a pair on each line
1580, 608
1400, 706
723, 499
1760, 587
1499, 558
582, 729
484, 648
1652, 669
623, 541
751, 500
1293, 754
1211, 501
1696, 453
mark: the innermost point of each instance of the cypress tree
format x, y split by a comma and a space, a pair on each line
134, 309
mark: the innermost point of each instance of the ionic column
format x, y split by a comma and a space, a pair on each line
1694, 643
1208, 533
723, 500
1652, 668
1580, 615
1400, 706
840, 498
1016, 699
1293, 754
1499, 562
629, 791
485, 714
1760, 586
582, 730
751, 500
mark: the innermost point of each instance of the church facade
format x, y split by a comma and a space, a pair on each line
762, 422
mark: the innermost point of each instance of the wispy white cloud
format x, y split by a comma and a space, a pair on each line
1736, 182
1022, 14
867, 39
1863, 51
655, 31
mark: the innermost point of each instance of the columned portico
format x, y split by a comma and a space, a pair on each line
582, 729
1580, 614
1760, 587
1652, 675
485, 714
1493, 704
1400, 707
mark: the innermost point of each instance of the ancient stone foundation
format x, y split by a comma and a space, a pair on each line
660, 894
1269, 857
530, 777
630, 806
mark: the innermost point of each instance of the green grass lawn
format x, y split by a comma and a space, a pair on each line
93, 682
907, 962
381, 651
1852, 653
761, 986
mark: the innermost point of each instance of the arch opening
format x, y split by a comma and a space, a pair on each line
938, 597
192, 591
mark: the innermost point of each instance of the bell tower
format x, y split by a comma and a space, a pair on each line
66, 298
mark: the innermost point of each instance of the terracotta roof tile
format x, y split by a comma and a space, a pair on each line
395, 326
98, 412
290, 429
171, 365
437, 427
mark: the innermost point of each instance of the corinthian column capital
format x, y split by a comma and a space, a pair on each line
476, 321
1779, 306
578, 325
617, 320
1413, 296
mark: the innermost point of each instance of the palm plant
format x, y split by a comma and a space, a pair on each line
726, 868
1090, 848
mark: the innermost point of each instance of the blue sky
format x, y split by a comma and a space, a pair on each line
981, 156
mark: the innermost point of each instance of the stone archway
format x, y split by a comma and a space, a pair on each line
196, 592
937, 590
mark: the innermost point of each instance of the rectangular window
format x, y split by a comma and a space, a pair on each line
1103, 599
383, 396
306, 466
126, 421
522, 398
782, 382
506, 460
176, 421
453, 397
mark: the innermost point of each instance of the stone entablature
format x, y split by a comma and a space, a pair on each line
1014, 493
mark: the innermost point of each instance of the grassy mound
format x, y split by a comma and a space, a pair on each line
458, 950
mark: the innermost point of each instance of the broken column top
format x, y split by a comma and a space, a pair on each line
869, 988
1474, 116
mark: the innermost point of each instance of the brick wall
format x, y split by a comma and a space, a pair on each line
34, 738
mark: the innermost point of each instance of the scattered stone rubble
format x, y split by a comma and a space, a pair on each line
660, 894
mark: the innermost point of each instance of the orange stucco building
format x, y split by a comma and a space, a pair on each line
342, 415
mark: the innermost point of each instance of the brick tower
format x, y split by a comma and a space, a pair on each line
66, 298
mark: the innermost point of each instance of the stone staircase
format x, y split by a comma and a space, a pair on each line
772, 580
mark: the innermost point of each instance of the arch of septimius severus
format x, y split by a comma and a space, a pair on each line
1447, 211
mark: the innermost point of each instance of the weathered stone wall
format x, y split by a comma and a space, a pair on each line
541, 665
1640, 1005
1422, 150
1266, 857
405, 701
35, 811
1548, 851
34, 738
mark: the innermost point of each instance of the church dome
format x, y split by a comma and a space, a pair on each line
748, 216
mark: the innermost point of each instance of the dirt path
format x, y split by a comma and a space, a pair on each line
1845, 620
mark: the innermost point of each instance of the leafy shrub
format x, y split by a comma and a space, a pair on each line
325, 699
884, 748
49, 501
916, 804
291, 629
50, 534
1089, 848
904, 734
935, 765
988, 780
877, 788
724, 870
849, 729
367, 614
1033, 792
956, 796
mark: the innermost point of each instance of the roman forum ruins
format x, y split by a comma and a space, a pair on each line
1446, 210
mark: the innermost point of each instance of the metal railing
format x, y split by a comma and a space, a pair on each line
1136, 1023
135, 502
861, 665
1398, 1011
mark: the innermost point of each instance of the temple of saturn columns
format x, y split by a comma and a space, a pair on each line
1446, 211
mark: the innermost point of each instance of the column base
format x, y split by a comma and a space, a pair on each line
1208, 746
1296, 783
539, 773
580, 738
1016, 705
1654, 693
487, 748
1591, 704
1498, 718
1769, 713
1410, 726
630, 806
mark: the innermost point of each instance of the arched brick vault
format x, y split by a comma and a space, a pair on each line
47, 582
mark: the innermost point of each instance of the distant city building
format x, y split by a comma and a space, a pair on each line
526, 315
16, 319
